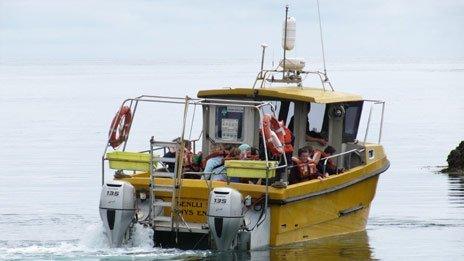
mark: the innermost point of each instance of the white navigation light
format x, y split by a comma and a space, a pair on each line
293, 64
288, 42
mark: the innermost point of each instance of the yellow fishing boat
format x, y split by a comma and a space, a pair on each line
258, 174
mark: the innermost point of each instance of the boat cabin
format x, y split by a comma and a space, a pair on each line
329, 116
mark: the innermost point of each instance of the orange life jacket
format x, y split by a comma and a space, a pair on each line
306, 170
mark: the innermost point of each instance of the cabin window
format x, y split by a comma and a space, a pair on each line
229, 123
316, 117
351, 123
287, 115
284, 110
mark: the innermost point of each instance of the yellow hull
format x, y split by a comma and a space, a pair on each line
309, 210
323, 216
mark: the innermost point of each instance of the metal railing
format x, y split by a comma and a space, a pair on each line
267, 75
373, 103
326, 159
255, 105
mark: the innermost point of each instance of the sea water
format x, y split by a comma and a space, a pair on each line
54, 124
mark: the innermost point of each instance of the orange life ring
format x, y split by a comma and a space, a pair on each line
283, 133
273, 141
120, 125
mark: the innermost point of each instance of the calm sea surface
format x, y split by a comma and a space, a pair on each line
54, 122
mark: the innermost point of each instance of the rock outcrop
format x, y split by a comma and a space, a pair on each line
456, 160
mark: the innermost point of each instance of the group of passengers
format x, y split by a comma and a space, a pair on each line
310, 163
212, 166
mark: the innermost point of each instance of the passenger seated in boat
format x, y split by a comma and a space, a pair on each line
192, 162
237, 154
330, 167
305, 165
187, 159
248, 153
315, 156
251, 154
233, 154
214, 165
303, 169
171, 153
244, 152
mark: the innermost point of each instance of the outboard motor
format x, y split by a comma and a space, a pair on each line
117, 209
224, 216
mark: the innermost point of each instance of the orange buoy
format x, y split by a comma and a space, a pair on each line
120, 125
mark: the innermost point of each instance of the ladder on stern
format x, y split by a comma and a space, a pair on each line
174, 219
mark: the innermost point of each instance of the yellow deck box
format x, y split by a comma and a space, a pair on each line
126, 160
250, 168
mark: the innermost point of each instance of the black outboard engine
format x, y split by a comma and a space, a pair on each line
225, 216
117, 210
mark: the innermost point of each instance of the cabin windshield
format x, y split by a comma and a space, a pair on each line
351, 123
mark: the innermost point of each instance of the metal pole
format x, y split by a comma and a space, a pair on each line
262, 135
285, 39
368, 123
381, 122
152, 186
103, 170
191, 124
262, 60
322, 39
130, 126
325, 166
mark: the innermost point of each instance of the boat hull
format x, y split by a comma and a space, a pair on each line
335, 213
305, 211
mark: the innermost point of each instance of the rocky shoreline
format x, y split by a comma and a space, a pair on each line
455, 160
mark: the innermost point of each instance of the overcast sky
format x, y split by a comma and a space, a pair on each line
150, 29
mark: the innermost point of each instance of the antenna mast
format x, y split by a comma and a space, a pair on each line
292, 68
322, 38
326, 79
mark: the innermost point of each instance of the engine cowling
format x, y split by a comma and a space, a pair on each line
225, 216
117, 210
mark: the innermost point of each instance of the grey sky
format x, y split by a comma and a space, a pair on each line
126, 29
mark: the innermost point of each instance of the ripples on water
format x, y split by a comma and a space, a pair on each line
57, 120
456, 190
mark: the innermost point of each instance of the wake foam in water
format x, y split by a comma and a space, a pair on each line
93, 245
